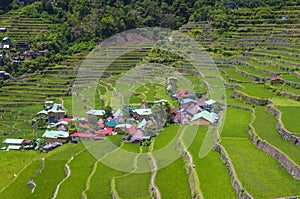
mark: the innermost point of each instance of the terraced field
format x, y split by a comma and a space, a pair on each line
262, 48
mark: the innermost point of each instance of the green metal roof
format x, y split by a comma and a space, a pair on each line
211, 117
142, 124
119, 112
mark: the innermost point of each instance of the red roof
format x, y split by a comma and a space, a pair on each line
275, 78
98, 138
27, 141
174, 112
107, 131
101, 125
132, 130
82, 135
182, 93
64, 120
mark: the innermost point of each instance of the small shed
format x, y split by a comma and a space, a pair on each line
275, 81
122, 128
141, 114
98, 113
48, 105
3, 30
77, 137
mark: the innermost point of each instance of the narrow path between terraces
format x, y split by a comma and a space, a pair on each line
68, 173
88, 182
193, 182
153, 186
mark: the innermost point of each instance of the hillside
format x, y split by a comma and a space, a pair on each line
255, 46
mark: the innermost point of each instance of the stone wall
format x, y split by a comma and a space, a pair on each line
287, 163
289, 136
236, 184
250, 100
189, 166
286, 94
239, 107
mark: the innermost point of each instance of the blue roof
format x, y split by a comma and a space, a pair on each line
111, 124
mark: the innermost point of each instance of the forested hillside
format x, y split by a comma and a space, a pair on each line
75, 26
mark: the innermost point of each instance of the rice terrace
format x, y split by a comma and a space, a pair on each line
150, 99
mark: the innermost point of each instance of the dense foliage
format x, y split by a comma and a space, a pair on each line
79, 24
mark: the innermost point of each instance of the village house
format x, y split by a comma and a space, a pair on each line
6, 40
142, 124
187, 102
77, 137
6, 47
48, 105
209, 104
275, 81
123, 128
60, 125
14, 144
3, 30
4, 75
140, 114
56, 113
111, 124
204, 118
139, 137
97, 113
51, 136
53, 112
22, 46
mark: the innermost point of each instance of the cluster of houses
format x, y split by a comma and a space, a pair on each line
138, 125
7, 44
192, 110
57, 132
17, 144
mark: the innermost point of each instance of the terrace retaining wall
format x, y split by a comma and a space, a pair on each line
250, 100
193, 176
289, 136
286, 94
235, 182
239, 107
286, 163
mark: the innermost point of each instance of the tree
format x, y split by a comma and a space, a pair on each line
41, 123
